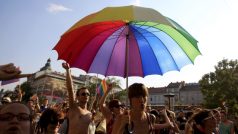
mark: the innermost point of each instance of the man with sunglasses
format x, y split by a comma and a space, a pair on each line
79, 116
15, 119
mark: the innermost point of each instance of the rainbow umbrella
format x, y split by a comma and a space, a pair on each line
127, 41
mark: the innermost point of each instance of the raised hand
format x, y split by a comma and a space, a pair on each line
109, 87
65, 65
9, 71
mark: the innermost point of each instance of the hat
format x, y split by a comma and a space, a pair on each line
6, 99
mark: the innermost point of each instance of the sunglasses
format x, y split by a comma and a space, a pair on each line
60, 121
119, 106
85, 94
10, 116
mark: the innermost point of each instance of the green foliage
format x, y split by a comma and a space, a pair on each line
221, 85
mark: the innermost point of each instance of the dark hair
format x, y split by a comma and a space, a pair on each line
155, 113
113, 103
137, 90
48, 116
77, 92
200, 116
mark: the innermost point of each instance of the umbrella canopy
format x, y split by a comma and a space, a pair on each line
127, 41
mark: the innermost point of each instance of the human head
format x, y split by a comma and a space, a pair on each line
205, 119
49, 121
15, 121
138, 95
82, 95
156, 114
223, 115
31, 105
45, 102
116, 106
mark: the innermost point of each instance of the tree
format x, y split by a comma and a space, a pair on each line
116, 94
221, 86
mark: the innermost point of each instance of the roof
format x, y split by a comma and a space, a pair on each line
157, 90
190, 86
175, 85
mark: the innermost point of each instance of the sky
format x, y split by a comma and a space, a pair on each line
29, 29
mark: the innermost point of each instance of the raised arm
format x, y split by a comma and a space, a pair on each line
69, 84
174, 126
104, 109
166, 124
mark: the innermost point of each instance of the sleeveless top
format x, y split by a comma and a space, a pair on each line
150, 123
225, 129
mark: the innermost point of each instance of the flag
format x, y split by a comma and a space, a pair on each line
102, 88
5, 82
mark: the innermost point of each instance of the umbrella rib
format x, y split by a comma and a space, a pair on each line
163, 45
166, 47
113, 49
144, 22
176, 43
149, 45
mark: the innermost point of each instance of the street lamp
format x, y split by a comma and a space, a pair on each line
169, 95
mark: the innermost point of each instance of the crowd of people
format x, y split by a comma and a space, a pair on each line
104, 116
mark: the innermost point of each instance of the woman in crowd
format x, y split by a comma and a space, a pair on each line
137, 120
204, 122
226, 126
111, 111
49, 122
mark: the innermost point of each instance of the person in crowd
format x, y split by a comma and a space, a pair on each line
64, 126
34, 110
226, 126
189, 124
92, 124
173, 129
49, 122
137, 120
217, 115
78, 115
204, 122
114, 109
44, 105
15, 118
181, 119
158, 118
9, 71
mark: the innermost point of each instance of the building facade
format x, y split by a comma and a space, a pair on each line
52, 84
176, 94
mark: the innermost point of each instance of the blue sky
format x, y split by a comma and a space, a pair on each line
31, 28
